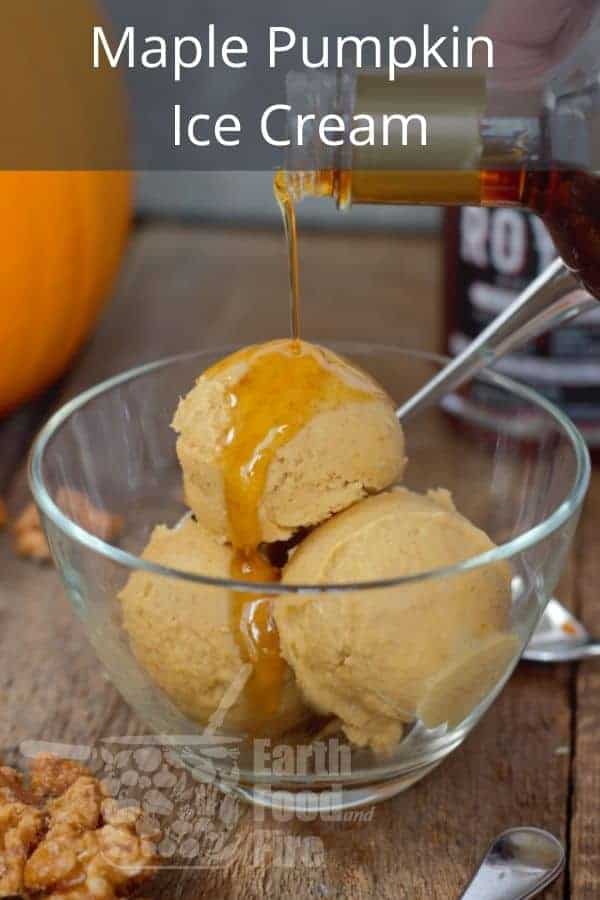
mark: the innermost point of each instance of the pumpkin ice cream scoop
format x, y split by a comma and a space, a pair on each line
187, 638
280, 436
429, 650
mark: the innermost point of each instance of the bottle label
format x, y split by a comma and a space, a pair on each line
499, 252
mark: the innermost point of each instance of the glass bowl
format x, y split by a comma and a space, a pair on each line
521, 477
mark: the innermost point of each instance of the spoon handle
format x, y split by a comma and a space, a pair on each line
518, 865
561, 652
553, 298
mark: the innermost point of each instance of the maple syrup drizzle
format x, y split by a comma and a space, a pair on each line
256, 634
288, 213
280, 387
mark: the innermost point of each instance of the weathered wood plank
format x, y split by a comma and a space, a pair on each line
187, 288
585, 826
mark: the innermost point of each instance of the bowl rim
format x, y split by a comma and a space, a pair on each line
504, 551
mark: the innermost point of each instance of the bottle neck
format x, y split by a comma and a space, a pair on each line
473, 127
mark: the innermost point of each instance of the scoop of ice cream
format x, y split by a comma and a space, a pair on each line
184, 635
380, 658
280, 436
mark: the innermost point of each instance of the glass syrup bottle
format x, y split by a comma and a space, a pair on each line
501, 151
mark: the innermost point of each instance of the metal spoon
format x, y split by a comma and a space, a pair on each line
519, 864
560, 637
553, 298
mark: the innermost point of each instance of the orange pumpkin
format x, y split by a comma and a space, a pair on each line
65, 214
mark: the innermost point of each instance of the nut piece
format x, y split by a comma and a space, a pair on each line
20, 827
11, 785
28, 519
78, 845
98, 521
50, 776
79, 807
30, 541
101, 863
33, 545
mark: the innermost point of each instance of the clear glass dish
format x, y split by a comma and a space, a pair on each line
523, 483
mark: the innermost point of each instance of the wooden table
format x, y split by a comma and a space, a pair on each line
533, 759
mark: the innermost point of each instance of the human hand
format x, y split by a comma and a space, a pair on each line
531, 36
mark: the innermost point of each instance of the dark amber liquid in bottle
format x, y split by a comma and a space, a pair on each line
568, 203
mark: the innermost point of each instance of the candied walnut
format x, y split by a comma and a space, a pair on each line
78, 845
29, 539
125, 855
83, 894
51, 776
33, 545
11, 873
79, 806
80, 508
101, 891
11, 786
133, 817
20, 825
115, 813
20, 829
28, 519
101, 862
60, 860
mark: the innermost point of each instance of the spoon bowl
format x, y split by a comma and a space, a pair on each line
519, 864
560, 637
